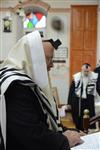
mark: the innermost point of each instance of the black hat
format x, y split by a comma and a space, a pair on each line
55, 44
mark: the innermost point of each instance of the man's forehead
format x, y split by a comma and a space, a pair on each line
86, 67
47, 46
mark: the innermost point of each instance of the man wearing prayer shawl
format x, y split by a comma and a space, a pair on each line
27, 108
82, 93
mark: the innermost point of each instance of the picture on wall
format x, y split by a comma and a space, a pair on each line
7, 24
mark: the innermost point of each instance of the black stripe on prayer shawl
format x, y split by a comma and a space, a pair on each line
12, 70
44, 104
89, 85
7, 70
45, 98
3, 68
16, 74
26, 82
78, 84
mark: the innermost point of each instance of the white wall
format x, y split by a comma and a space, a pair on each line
60, 72
8, 39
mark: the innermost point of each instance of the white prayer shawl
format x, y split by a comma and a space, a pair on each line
28, 56
88, 83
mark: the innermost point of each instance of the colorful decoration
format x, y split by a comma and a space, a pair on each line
34, 20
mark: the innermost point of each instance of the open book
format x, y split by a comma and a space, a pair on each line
91, 142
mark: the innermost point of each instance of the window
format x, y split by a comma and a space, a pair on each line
34, 20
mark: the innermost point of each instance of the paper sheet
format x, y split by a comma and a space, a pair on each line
91, 142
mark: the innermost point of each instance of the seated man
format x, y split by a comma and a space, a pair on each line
27, 119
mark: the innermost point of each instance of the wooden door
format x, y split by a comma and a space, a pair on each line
83, 37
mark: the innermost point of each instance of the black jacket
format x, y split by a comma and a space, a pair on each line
97, 70
27, 128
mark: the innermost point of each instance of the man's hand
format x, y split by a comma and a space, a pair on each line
73, 137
